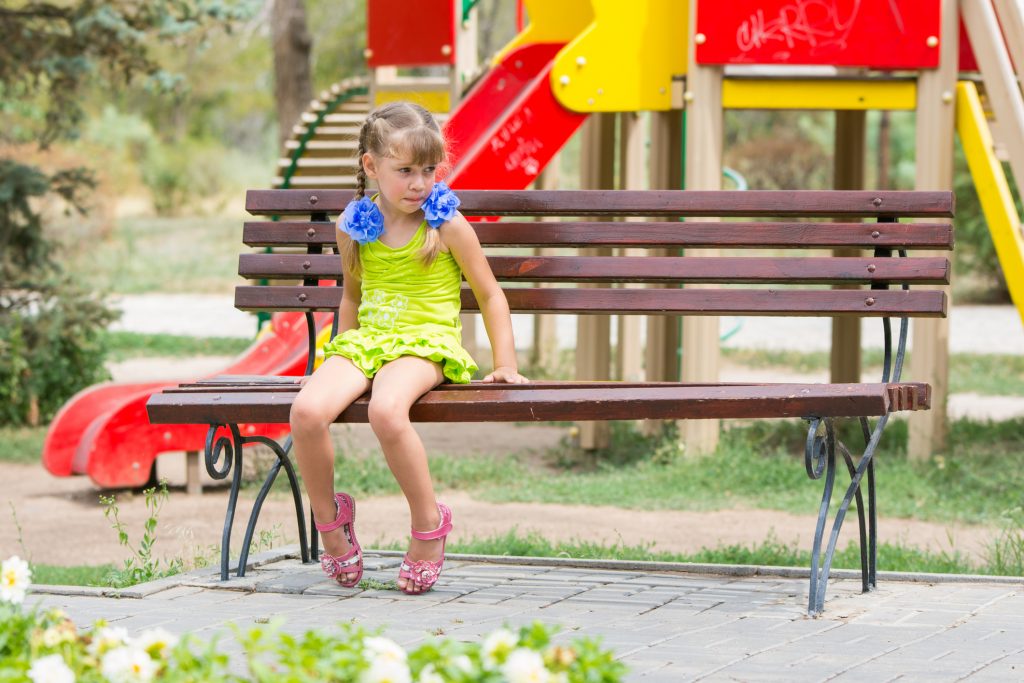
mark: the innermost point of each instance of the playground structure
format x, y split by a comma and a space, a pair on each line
591, 63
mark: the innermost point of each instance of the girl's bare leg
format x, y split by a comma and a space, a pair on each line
331, 389
396, 387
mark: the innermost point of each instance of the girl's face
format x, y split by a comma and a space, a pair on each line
402, 184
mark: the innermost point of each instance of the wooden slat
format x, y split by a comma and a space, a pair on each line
664, 269
762, 302
902, 396
722, 203
542, 404
651, 235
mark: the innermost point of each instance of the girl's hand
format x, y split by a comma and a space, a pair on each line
506, 375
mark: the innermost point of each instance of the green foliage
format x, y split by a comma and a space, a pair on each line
53, 50
141, 566
22, 444
49, 325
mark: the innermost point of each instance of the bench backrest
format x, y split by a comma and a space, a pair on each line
794, 225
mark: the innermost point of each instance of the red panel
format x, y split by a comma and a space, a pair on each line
967, 60
881, 34
403, 33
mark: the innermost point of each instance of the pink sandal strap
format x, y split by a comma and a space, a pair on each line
424, 572
344, 503
346, 569
441, 531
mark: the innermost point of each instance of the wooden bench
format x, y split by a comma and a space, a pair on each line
803, 223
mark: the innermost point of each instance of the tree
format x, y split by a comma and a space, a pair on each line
50, 53
293, 80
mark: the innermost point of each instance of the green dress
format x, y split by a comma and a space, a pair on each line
407, 309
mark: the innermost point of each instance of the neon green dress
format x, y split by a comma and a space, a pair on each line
407, 309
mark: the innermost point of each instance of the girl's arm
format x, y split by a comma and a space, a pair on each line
461, 240
351, 294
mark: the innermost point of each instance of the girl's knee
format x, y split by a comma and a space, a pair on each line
308, 415
387, 414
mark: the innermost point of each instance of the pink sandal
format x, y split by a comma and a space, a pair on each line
349, 565
424, 572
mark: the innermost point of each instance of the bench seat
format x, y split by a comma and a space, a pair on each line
235, 398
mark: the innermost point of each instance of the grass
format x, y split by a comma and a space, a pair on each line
125, 345
81, 575
987, 374
758, 465
193, 254
21, 444
770, 552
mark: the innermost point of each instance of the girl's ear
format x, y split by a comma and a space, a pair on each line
369, 165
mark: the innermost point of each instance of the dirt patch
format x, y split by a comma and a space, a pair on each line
61, 522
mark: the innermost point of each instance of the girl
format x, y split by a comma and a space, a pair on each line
404, 251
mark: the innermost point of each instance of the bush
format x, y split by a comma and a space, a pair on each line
50, 343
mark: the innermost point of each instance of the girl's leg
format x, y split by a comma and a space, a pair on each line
395, 388
331, 389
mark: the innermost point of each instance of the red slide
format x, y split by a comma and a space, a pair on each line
510, 125
103, 431
501, 135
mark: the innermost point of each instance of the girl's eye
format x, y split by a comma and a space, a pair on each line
430, 169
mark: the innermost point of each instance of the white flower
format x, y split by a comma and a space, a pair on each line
157, 642
52, 637
496, 647
14, 579
525, 666
51, 669
386, 670
107, 638
429, 675
560, 677
128, 664
384, 649
464, 663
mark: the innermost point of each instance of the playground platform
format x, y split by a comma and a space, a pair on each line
667, 622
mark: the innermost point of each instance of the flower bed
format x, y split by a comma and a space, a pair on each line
45, 645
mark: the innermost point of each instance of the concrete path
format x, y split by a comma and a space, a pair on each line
666, 624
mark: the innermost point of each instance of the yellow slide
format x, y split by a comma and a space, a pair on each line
993, 189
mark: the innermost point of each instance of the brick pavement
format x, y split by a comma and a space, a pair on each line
668, 625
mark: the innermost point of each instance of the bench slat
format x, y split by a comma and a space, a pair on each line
501, 404
649, 235
902, 396
762, 302
720, 203
809, 270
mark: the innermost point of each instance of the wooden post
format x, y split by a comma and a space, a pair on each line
193, 484
544, 353
929, 361
628, 352
704, 126
593, 349
848, 174
665, 172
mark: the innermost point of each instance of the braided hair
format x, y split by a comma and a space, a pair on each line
401, 130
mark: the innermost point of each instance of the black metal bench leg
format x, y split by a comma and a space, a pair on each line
865, 584
281, 451
819, 455
231, 450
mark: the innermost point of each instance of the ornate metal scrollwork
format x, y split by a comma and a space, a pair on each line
223, 457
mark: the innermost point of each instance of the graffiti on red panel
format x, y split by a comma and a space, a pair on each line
522, 154
874, 33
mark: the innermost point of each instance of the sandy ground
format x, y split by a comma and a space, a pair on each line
60, 520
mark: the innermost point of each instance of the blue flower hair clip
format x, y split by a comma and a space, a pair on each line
440, 206
362, 221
